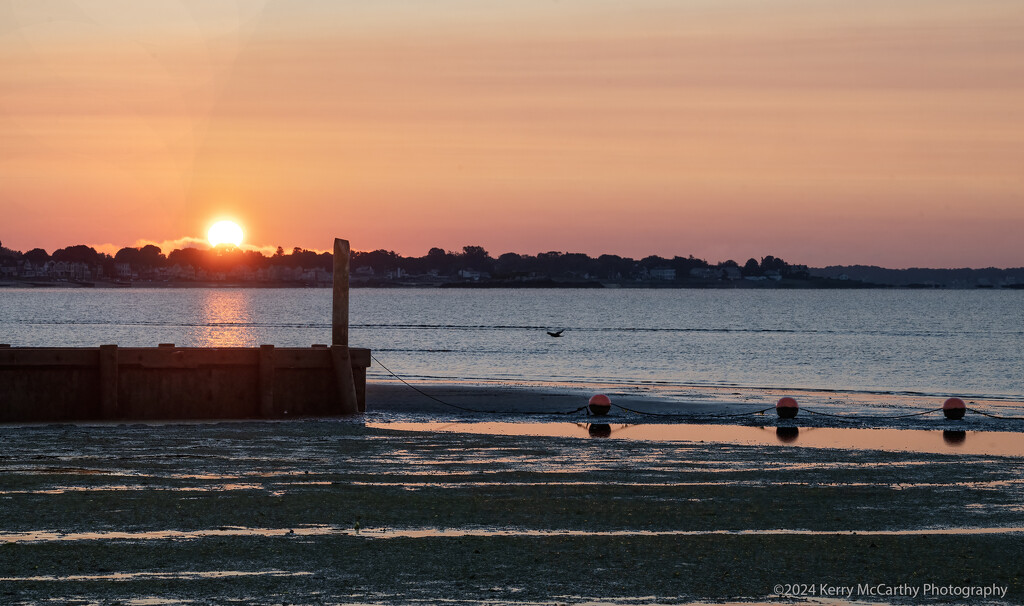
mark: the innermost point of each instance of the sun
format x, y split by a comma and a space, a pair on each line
225, 232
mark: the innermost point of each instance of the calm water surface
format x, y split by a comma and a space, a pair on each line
931, 342
997, 443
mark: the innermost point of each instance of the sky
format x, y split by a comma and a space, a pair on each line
823, 132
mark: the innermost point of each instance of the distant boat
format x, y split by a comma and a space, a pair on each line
556, 334
122, 283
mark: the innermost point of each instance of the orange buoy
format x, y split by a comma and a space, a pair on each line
954, 409
786, 408
600, 404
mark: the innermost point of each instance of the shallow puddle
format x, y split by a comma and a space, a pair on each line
388, 533
58, 490
47, 536
159, 576
997, 443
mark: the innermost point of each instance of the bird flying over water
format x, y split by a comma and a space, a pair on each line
556, 334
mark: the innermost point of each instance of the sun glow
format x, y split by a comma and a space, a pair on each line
225, 232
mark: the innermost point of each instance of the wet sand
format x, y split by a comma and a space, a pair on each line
352, 511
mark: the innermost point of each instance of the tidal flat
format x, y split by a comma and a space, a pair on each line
339, 511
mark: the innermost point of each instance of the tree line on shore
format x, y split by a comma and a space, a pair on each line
470, 261
226, 263
151, 257
476, 260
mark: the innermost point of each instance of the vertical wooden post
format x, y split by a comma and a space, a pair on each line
339, 316
342, 363
359, 374
266, 382
339, 330
108, 381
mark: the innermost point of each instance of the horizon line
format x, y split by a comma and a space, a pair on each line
167, 246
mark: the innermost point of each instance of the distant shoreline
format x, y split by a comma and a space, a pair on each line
814, 284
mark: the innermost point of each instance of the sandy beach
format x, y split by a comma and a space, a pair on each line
339, 511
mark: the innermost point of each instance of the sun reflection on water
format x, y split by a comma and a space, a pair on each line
227, 320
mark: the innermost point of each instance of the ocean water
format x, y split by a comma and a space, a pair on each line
968, 343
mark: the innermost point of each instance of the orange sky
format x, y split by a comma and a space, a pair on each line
821, 131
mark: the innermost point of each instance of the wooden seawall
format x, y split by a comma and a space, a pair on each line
111, 383
108, 382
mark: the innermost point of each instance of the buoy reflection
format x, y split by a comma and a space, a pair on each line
599, 430
954, 437
787, 435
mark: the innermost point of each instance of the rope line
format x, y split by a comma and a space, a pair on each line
853, 418
995, 416
440, 401
418, 390
675, 415
691, 415
743, 414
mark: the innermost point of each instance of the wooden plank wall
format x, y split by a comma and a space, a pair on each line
167, 382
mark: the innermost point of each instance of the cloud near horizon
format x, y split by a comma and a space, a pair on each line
166, 246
